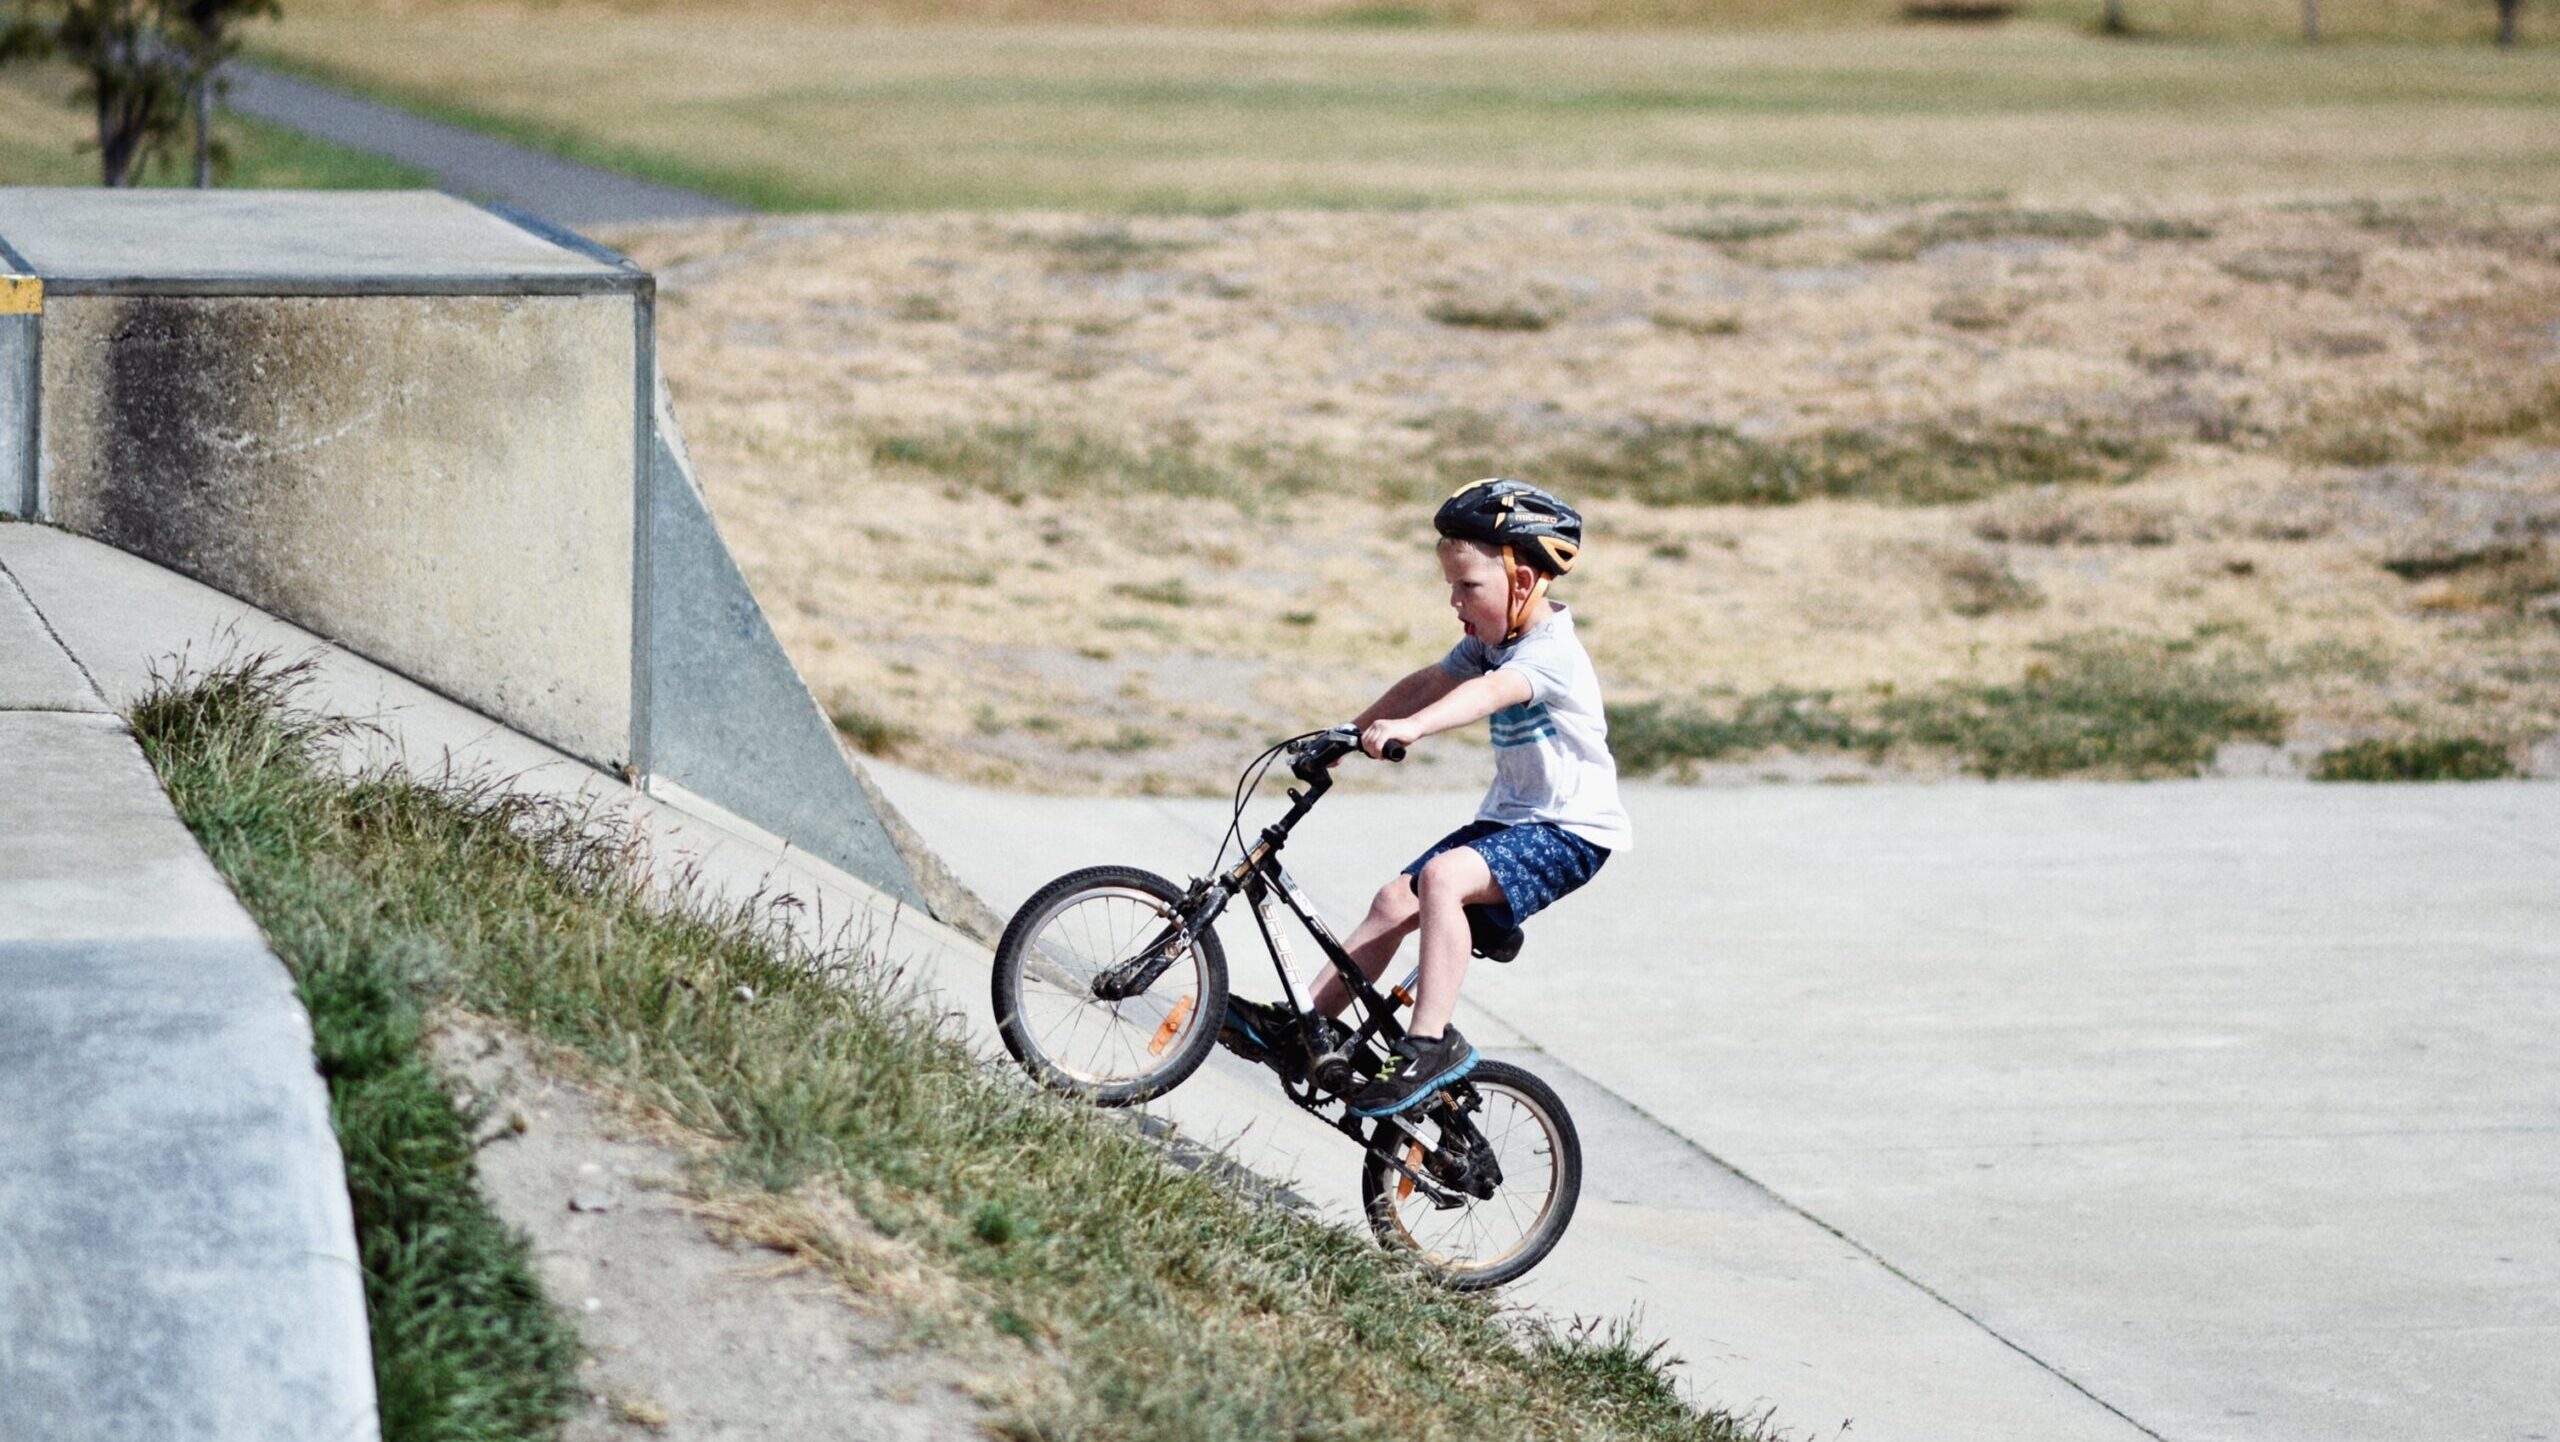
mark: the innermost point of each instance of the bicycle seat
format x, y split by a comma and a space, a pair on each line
1491, 938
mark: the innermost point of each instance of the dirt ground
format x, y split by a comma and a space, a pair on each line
1086, 504
693, 1330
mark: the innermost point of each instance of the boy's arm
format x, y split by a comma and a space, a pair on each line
1461, 703
1408, 695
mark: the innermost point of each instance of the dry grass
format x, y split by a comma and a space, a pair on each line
2342, 20
799, 106
978, 525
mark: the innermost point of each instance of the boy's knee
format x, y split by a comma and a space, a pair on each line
1395, 901
1448, 877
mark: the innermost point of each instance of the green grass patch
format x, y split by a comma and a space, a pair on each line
1022, 460
1724, 231
1980, 225
871, 734
2101, 703
1380, 17
2388, 426
2420, 758
1172, 591
1702, 464
464, 1346
1649, 736
1156, 1303
1489, 315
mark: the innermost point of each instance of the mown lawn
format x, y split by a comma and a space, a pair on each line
794, 107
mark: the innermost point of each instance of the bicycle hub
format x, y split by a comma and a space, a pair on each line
1332, 1072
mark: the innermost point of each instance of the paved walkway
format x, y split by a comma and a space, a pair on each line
179, 1259
2018, 1112
2214, 1110
466, 162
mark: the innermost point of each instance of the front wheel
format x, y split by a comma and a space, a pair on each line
1504, 1156
1114, 1051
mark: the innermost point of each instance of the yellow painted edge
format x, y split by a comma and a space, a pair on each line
21, 295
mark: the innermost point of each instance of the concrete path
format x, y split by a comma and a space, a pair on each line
2216, 1110
180, 1256
464, 161
2213, 1111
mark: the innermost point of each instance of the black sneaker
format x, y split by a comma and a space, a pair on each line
1271, 1035
1414, 1070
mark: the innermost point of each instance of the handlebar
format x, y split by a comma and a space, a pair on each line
1317, 753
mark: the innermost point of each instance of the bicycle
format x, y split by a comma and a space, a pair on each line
1480, 1180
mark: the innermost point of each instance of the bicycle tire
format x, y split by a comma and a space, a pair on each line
1385, 1194
1179, 1026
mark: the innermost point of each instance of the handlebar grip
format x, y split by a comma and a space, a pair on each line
1393, 751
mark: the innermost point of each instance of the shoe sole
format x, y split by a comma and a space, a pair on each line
1420, 1093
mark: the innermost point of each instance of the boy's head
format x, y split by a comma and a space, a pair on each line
1501, 542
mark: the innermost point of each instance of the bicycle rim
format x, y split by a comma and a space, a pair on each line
1089, 1044
1488, 1241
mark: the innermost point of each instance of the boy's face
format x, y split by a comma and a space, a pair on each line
1477, 591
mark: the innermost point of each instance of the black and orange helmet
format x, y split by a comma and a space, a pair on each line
1543, 532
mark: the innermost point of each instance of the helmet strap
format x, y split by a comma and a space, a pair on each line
1520, 607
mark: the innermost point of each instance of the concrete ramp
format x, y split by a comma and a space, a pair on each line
177, 1254
432, 433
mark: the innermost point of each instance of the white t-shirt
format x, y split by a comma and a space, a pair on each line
1551, 757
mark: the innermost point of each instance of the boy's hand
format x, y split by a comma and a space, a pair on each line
1374, 740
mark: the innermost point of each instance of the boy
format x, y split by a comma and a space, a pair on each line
1549, 821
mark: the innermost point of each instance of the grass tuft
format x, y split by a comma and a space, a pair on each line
1022, 460
1489, 315
2101, 703
464, 1346
1727, 231
2422, 758
872, 735
1702, 464
1154, 1303
1648, 736
1984, 225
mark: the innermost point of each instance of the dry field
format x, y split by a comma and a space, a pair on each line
1077, 504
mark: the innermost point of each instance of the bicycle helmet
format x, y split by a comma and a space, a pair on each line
1532, 528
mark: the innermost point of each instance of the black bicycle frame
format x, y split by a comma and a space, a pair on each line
1258, 875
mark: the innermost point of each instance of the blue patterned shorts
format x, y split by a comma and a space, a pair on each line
1534, 863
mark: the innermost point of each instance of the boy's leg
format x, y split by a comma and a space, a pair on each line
1372, 944
1455, 880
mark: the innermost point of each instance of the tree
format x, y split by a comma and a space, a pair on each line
132, 70
210, 42
2507, 22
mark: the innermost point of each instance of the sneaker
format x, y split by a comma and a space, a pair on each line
1414, 1069
1271, 1035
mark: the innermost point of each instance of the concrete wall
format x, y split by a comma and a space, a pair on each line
445, 483
433, 434
21, 308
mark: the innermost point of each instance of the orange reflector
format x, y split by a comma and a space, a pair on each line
1172, 1027
1412, 1158
1401, 997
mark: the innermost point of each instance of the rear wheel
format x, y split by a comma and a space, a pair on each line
1113, 1051
1502, 1149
